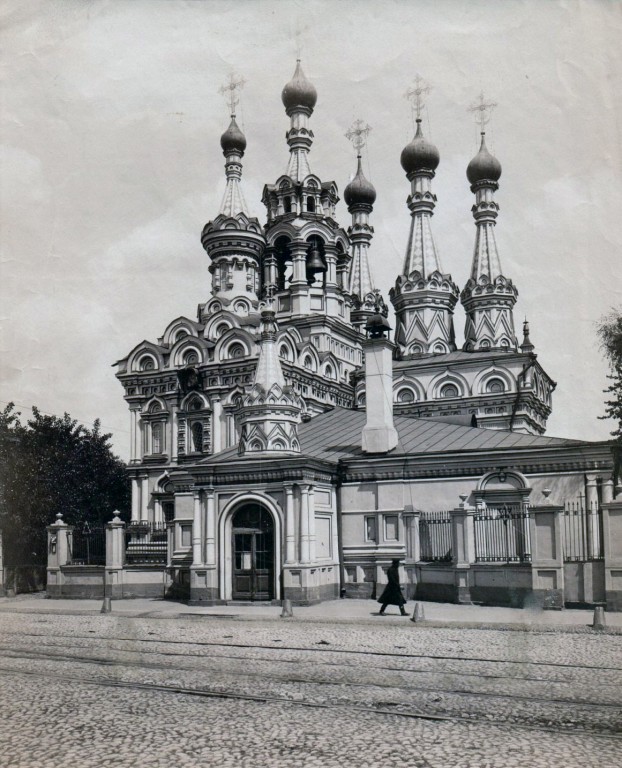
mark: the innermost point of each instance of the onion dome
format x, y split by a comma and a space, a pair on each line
233, 140
359, 190
299, 92
483, 167
420, 154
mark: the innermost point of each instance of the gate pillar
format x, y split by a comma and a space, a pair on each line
115, 557
59, 554
612, 535
463, 549
547, 557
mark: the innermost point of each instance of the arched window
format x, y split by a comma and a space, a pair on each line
308, 363
220, 329
236, 350
287, 204
154, 407
195, 405
329, 373
284, 352
449, 390
495, 385
311, 204
197, 436
146, 364
181, 333
405, 396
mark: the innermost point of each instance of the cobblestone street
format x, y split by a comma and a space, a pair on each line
226, 690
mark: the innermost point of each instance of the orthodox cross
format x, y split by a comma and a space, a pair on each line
415, 94
230, 91
357, 134
483, 110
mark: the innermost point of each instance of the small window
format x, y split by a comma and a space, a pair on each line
329, 373
155, 407
197, 437
287, 204
147, 364
191, 358
284, 352
495, 385
308, 363
449, 390
195, 405
156, 438
311, 204
390, 528
186, 535
236, 350
181, 334
405, 396
371, 533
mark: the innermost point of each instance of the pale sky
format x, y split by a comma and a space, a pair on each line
111, 165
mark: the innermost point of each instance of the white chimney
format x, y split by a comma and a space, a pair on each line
379, 434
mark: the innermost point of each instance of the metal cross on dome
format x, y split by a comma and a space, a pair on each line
230, 91
357, 134
415, 94
483, 110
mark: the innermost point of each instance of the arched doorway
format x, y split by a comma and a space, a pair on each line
252, 530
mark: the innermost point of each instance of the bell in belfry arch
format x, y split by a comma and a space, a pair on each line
315, 263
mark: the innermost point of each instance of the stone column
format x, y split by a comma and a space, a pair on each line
210, 527
463, 549
115, 557
174, 445
135, 500
311, 525
197, 559
134, 431
144, 498
413, 539
547, 557
304, 524
591, 509
158, 515
217, 445
290, 531
299, 288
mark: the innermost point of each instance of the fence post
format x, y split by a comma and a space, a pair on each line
59, 554
462, 548
115, 557
547, 556
2, 588
612, 536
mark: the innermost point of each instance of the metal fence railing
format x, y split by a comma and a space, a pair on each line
502, 535
87, 546
582, 532
146, 543
435, 537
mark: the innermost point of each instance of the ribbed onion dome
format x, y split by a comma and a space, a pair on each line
420, 154
299, 92
233, 139
483, 167
359, 190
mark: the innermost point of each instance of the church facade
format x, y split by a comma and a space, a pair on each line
287, 443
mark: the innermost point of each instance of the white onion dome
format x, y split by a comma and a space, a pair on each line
484, 166
359, 190
299, 92
233, 140
420, 154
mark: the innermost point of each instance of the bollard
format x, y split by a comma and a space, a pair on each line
418, 614
106, 605
599, 618
287, 611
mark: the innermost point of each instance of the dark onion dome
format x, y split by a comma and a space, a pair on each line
483, 167
420, 154
299, 92
233, 140
359, 190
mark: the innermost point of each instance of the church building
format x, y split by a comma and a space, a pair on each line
292, 442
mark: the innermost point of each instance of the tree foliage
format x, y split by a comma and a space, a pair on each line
54, 464
610, 334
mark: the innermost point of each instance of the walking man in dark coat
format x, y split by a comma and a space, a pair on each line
392, 594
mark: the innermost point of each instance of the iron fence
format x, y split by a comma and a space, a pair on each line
146, 543
502, 535
582, 532
435, 537
87, 546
